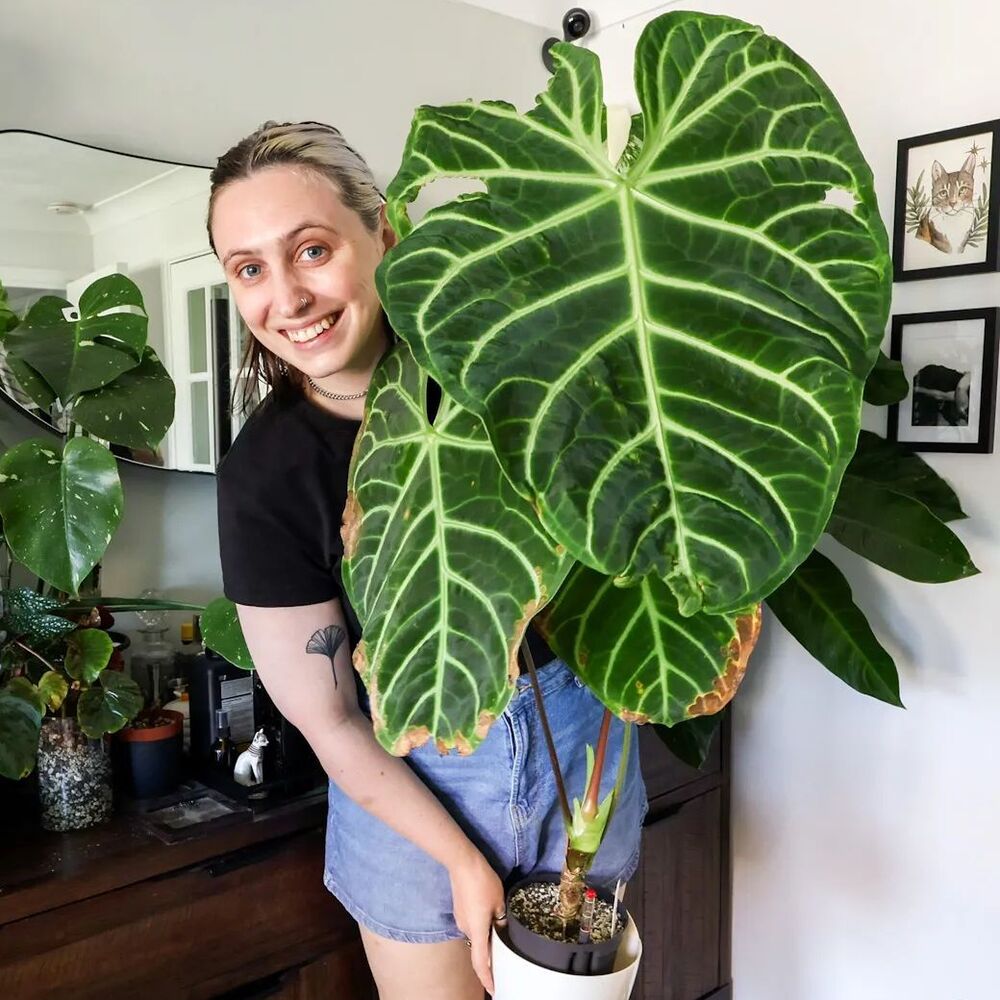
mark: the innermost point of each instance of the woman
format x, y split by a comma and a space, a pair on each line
416, 846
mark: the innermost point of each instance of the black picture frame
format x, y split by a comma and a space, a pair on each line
905, 148
986, 395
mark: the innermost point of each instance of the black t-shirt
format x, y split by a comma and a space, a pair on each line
282, 489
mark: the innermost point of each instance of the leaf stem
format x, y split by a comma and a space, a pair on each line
549, 743
591, 801
37, 656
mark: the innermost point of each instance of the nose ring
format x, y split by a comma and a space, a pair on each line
303, 301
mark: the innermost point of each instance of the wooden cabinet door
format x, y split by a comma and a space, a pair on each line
676, 901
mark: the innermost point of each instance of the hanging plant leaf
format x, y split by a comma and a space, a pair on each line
74, 356
108, 705
639, 655
690, 741
59, 510
816, 607
20, 725
898, 533
886, 382
134, 410
220, 626
898, 468
669, 361
88, 651
428, 508
27, 614
53, 688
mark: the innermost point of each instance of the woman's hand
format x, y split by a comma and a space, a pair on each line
477, 901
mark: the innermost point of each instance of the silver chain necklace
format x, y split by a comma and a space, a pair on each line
334, 395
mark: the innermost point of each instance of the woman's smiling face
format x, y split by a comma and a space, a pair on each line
301, 269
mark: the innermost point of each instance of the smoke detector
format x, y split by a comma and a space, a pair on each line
67, 208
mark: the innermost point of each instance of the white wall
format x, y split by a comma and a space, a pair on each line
186, 79
866, 838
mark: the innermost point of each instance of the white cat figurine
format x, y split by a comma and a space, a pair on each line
249, 769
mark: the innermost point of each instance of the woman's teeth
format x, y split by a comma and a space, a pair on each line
311, 332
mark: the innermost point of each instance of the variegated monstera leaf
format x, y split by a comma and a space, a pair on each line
445, 565
668, 355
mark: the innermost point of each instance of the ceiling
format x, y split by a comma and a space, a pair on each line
549, 13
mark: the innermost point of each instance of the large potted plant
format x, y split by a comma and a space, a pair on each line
60, 502
653, 372
653, 369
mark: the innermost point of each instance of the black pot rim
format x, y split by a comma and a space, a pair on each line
548, 878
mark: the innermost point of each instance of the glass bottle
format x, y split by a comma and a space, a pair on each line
152, 664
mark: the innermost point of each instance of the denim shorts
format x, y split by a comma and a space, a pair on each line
504, 796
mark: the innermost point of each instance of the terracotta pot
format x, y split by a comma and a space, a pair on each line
149, 757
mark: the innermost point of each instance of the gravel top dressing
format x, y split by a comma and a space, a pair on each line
533, 906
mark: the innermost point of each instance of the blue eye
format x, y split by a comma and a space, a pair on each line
316, 256
244, 271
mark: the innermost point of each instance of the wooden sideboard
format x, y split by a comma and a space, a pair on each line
242, 913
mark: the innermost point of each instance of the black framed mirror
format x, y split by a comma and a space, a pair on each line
71, 213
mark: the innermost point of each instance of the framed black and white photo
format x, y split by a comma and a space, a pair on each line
950, 363
946, 214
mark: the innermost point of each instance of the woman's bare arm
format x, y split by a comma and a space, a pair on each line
316, 692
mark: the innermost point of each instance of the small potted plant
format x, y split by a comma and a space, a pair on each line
150, 749
61, 687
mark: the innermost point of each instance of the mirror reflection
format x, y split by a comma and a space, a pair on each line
71, 213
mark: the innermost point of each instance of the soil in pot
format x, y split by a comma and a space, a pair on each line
538, 935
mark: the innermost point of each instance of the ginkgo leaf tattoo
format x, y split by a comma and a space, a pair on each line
327, 641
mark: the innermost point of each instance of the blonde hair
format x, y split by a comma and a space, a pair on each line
311, 146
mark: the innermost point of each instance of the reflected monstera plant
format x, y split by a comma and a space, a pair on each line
60, 503
653, 368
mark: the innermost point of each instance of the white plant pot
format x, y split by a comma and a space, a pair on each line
515, 978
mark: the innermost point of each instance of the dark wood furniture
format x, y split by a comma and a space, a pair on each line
242, 913
680, 897
113, 913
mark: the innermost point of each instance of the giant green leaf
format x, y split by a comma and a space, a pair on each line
59, 510
901, 470
134, 410
444, 564
641, 657
670, 359
816, 607
898, 533
74, 355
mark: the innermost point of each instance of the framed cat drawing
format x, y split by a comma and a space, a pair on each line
946, 212
950, 363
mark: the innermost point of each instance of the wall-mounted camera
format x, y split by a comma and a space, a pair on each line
575, 24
